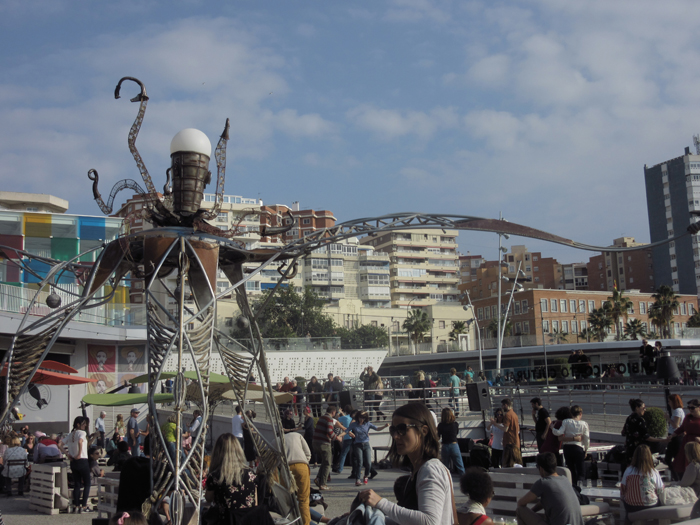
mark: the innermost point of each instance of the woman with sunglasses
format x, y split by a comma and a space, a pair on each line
428, 495
690, 430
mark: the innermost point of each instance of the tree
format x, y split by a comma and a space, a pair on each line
619, 305
557, 337
290, 314
458, 327
634, 329
417, 324
492, 328
600, 321
586, 333
661, 312
694, 321
365, 336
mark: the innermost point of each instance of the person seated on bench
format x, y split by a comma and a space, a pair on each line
476, 484
553, 493
641, 482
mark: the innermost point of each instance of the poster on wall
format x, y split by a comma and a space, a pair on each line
43, 403
102, 365
131, 362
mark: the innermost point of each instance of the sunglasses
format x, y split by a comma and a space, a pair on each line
400, 430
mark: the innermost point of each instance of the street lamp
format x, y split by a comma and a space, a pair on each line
408, 311
501, 250
476, 322
517, 287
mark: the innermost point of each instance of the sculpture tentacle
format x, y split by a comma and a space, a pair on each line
220, 155
133, 133
119, 186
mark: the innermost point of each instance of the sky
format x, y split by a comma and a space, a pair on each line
545, 111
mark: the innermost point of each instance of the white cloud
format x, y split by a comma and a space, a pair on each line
416, 11
390, 124
293, 124
490, 71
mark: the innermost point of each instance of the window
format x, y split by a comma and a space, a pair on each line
565, 327
528, 268
537, 268
574, 327
32, 209
555, 305
526, 327
535, 258
545, 327
562, 305
441, 324
518, 329
480, 314
516, 308
537, 279
683, 310
543, 305
581, 306
487, 313
374, 323
591, 306
494, 311
222, 217
308, 221
524, 306
642, 308
572, 306
555, 326
527, 257
583, 325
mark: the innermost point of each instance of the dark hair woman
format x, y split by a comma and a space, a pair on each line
428, 495
362, 451
635, 430
314, 390
690, 430
230, 484
448, 429
76, 444
551, 440
476, 484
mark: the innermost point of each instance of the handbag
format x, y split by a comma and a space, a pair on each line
677, 496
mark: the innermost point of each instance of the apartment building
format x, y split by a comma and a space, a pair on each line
575, 276
535, 312
673, 194
308, 221
424, 265
468, 266
628, 270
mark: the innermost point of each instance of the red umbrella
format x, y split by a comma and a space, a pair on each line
44, 376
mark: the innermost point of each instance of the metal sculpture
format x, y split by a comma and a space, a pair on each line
183, 243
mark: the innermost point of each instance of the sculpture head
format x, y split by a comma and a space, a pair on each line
190, 151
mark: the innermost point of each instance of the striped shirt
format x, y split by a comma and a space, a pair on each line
324, 429
642, 490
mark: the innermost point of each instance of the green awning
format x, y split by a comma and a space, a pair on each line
191, 374
118, 400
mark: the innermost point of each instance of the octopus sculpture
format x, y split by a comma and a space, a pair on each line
184, 245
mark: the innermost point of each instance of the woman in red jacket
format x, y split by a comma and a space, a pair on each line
691, 428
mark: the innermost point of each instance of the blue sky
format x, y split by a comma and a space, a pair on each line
545, 110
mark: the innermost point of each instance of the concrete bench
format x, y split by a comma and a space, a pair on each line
511, 484
661, 515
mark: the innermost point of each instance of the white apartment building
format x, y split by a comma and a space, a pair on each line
424, 265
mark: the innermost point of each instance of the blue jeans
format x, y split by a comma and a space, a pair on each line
347, 447
450, 451
454, 398
362, 454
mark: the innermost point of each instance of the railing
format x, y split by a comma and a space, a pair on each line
17, 299
293, 344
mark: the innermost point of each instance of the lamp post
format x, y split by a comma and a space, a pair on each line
502, 329
476, 322
408, 311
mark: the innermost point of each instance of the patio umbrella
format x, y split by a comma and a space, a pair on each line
118, 400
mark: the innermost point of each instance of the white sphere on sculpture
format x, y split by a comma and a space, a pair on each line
191, 139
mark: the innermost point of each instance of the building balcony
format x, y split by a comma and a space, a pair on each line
381, 257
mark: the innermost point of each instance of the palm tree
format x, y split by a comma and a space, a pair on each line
635, 329
694, 321
492, 328
557, 337
417, 324
661, 312
458, 327
618, 308
600, 321
586, 333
